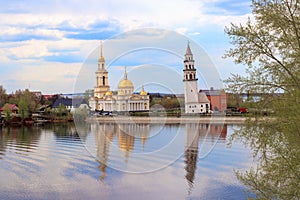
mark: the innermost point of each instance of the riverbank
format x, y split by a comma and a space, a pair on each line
168, 120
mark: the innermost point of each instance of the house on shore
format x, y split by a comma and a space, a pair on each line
217, 98
12, 107
71, 104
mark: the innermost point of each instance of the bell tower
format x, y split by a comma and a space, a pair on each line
101, 77
190, 82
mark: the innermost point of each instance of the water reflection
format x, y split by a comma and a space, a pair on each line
126, 136
195, 132
132, 139
19, 139
61, 164
65, 132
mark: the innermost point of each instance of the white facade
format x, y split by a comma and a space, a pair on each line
123, 100
195, 102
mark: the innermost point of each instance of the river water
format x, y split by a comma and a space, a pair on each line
121, 161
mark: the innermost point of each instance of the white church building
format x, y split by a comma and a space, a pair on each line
124, 99
195, 101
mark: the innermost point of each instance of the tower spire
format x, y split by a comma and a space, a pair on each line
125, 73
188, 49
101, 58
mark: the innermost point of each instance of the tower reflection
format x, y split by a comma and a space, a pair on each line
104, 134
117, 141
195, 132
126, 136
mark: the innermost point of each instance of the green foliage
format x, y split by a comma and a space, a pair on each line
168, 103
23, 108
270, 47
29, 99
60, 111
88, 94
3, 96
275, 143
7, 112
233, 100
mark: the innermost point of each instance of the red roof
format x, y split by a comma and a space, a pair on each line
47, 96
11, 106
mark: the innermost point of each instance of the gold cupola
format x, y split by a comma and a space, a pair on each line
108, 93
143, 92
125, 83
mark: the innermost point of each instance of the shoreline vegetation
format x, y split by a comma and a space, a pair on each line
269, 46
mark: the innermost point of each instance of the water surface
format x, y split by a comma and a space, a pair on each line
111, 161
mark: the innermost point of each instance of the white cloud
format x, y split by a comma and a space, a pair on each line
40, 31
29, 49
44, 76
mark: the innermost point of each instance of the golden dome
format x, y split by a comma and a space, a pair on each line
125, 83
143, 92
108, 93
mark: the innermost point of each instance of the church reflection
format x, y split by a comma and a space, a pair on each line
126, 136
195, 132
104, 136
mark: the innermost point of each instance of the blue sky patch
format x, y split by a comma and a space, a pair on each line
25, 37
64, 58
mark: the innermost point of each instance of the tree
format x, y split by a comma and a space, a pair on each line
88, 94
7, 112
23, 109
269, 46
233, 100
3, 96
27, 97
61, 112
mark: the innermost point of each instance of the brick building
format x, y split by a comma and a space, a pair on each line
217, 99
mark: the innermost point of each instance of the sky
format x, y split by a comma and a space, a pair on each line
52, 46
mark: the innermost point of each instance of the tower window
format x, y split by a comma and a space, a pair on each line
191, 90
103, 80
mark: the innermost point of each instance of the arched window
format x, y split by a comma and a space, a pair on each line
191, 76
103, 80
190, 67
186, 77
